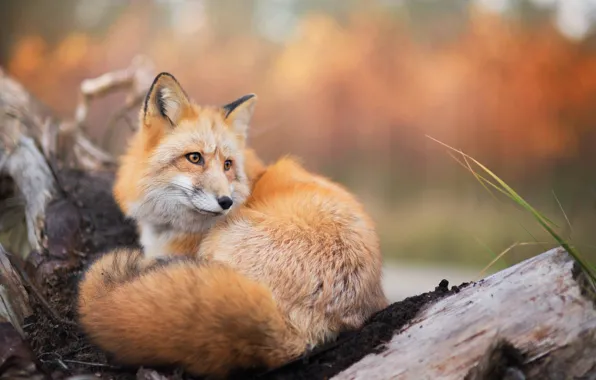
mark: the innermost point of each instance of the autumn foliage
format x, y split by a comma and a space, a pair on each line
366, 89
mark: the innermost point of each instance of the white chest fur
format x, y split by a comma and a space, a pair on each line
154, 242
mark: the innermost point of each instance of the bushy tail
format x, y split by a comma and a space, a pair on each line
205, 317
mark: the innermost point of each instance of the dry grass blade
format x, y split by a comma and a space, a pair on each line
544, 222
564, 213
482, 273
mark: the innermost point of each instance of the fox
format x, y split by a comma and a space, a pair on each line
244, 265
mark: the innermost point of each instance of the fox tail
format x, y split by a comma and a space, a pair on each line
205, 317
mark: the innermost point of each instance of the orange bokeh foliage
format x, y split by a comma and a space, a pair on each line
509, 91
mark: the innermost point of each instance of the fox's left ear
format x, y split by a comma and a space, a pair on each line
166, 99
238, 113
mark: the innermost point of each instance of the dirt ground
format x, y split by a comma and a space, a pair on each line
88, 223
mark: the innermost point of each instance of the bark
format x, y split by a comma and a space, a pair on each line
36, 215
534, 320
16, 358
14, 300
32, 143
26, 179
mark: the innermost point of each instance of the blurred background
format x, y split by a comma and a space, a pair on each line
353, 88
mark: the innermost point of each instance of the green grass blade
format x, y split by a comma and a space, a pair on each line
505, 189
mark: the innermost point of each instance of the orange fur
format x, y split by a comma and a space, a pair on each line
228, 319
184, 244
309, 241
290, 268
253, 166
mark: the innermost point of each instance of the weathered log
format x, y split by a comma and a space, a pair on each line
14, 300
36, 216
17, 361
26, 187
30, 140
27, 181
544, 307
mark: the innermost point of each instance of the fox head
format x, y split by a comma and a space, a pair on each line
185, 165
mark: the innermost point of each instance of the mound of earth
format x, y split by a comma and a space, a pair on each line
87, 223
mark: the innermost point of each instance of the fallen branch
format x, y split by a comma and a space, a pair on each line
16, 358
543, 307
136, 79
35, 213
25, 173
14, 300
31, 141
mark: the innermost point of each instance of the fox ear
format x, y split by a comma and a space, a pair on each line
166, 99
239, 113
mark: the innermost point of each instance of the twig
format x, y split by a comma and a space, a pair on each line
57, 359
136, 78
47, 306
79, 349
92, 364
49, 139
32, 289
49, 135
61, 363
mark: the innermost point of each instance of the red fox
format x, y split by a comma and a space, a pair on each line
264, 274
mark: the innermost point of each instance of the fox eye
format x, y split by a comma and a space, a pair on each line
195, 158
227, 165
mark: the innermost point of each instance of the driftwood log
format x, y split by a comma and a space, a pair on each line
535, 320
538, 315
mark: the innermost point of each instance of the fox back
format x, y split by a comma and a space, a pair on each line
312, 243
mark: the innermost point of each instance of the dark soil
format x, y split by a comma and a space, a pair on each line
62, 348
88, 223
353, 346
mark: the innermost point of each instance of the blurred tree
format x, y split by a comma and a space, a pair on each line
530, 14
50, 19
229, 18
437, 21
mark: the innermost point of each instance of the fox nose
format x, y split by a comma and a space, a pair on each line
225, 202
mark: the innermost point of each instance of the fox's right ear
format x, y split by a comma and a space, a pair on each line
166, 99
239, 113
